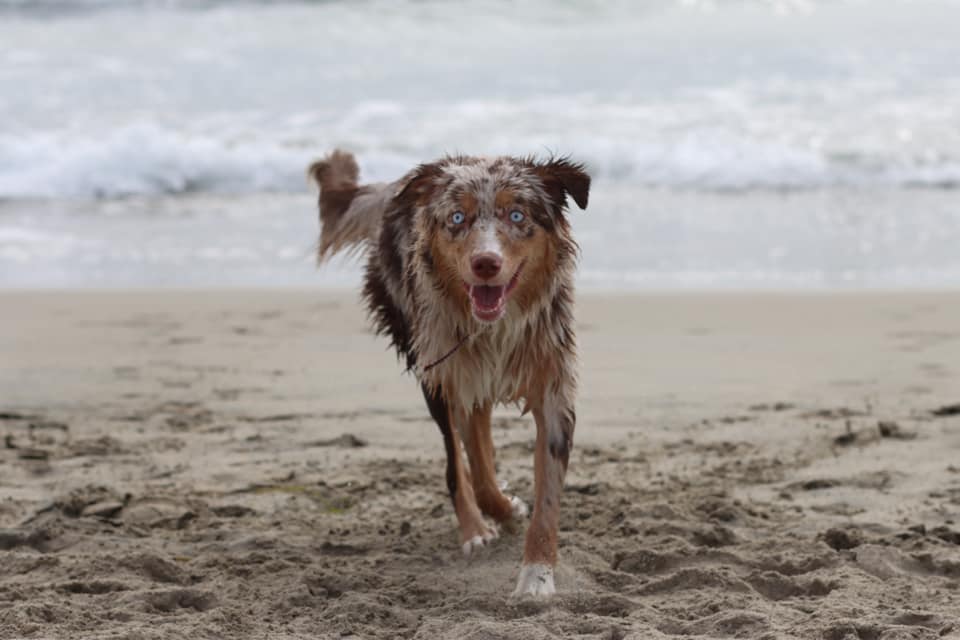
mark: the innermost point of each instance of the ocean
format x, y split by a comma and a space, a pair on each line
778, 144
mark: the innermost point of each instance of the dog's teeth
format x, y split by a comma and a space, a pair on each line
487, 297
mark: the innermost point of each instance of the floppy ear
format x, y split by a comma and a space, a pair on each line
562, 177
417, 186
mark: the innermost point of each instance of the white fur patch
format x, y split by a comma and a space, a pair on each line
488, 241
477, 542
519, 508
535, 580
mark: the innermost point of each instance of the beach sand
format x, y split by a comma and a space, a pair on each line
232, 464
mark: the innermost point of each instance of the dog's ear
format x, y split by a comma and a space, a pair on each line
562, 177
418, 185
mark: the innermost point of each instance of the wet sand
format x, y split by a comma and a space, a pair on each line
230, 464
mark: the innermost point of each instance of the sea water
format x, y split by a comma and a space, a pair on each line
733, 144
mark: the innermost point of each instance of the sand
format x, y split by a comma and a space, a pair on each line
233, 464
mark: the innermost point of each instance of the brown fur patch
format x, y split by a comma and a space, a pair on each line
447, 259
562, 177
468, 204
420, 184
505, 199
480, 453
336, 175
539, 268
540, 546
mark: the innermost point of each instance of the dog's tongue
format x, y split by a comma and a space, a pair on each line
486, 297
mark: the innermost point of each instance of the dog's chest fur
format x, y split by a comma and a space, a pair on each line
491, 366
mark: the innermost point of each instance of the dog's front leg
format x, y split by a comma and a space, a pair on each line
478, 442
453, 420
555, 420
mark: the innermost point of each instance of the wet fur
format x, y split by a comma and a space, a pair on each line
414, 291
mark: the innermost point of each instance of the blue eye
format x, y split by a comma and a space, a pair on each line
457, 217
516, 216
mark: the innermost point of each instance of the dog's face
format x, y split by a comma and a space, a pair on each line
492, 231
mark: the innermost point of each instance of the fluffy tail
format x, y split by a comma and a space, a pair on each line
350, 214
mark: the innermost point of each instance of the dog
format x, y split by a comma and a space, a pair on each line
469, 272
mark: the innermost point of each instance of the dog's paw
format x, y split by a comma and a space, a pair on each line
476, 542
518, 513
518, 508
535, 580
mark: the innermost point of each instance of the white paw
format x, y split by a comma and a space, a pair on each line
476, 542
535, 580
519, 508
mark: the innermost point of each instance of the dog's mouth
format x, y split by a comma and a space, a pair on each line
489, 302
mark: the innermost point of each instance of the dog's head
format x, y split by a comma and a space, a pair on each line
491, 232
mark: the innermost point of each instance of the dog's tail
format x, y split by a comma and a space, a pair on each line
350, 214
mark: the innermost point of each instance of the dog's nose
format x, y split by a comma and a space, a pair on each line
486, 265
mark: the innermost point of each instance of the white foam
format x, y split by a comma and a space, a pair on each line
142, 159
150, 159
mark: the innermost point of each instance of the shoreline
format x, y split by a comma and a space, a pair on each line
351, 292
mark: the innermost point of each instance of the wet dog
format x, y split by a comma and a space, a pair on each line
470, 265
